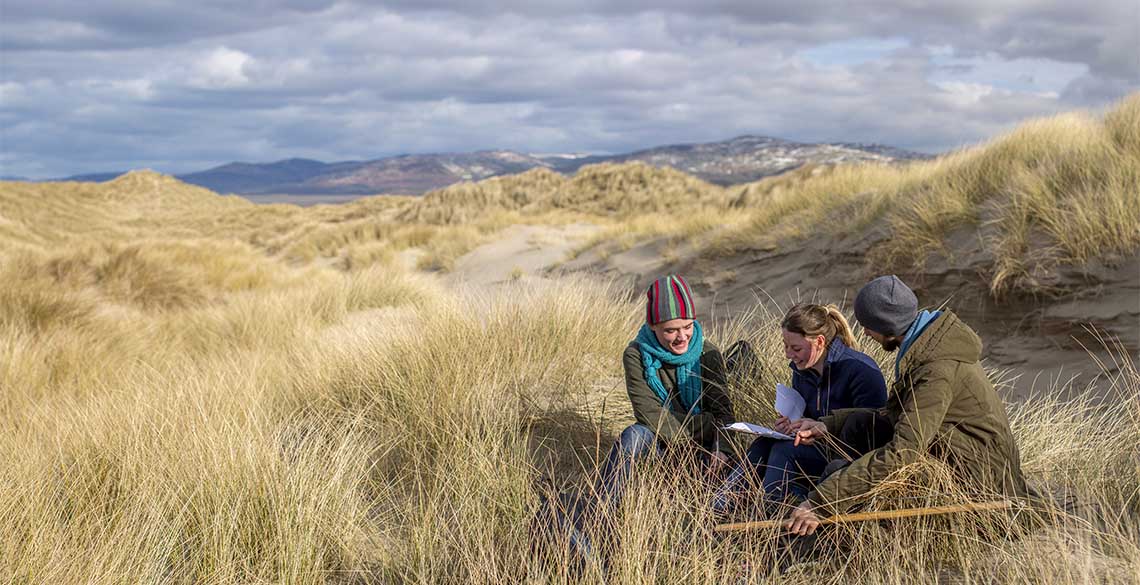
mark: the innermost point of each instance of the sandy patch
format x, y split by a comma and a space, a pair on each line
1035, 342
520, 252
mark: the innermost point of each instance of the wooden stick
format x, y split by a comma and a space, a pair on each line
880, 515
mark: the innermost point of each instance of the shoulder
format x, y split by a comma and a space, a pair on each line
632, 351
941, 370
710, 347
859, 362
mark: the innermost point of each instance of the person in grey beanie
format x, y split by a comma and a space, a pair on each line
941, 404
888, 311
887, 306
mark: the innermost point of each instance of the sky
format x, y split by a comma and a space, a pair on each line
176, 86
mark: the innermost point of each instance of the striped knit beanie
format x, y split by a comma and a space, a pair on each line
669, 298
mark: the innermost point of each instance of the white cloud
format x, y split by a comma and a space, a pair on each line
11, 92
965, 94
139, 89
179, 86
221, 68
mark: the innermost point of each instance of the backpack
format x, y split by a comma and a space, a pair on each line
741, 365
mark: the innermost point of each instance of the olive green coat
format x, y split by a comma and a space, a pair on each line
674, 424
943, 404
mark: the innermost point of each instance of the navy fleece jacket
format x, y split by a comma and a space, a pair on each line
850, 379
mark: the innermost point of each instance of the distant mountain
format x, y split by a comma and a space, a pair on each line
739, 160
409, 174
275, 177
419, 173
748, 158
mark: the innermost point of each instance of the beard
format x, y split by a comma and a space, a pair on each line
891, 343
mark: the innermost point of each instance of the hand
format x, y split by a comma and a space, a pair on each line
794, 427
809, 431
803, 520
783, 425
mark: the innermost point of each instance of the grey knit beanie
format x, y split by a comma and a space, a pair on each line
887, 306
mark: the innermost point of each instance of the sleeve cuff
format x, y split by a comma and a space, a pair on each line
820, 505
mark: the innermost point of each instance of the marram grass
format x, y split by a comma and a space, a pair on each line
397, 442
195, 389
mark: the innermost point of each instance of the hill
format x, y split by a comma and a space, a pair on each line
748, 158
278, 176
198, 389
739, 160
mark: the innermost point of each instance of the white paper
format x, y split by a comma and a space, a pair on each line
750, 428
789, 403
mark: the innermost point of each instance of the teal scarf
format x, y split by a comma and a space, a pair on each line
916, 329
688, 367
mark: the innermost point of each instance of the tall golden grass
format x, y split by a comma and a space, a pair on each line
195, 389
1060, 190
374, 428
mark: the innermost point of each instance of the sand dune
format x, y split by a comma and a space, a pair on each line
203, 389
1034, 340
518, 252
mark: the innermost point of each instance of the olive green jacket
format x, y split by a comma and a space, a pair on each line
942, 404
674, 424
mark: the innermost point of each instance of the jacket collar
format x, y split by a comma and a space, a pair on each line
925, 318
945, 338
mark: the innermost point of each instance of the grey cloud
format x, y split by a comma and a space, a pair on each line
1090, 31
346, 81
121, 24
1090, 89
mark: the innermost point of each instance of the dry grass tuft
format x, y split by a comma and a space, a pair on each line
373, 426
466, 202
1055, 192
196, 389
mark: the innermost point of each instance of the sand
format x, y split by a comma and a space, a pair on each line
520, 252
1032, 341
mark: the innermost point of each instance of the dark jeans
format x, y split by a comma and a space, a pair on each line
636, 443
787, 471
783, 470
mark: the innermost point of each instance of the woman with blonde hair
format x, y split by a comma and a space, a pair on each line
830, 374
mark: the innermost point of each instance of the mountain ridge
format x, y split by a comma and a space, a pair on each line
740, 159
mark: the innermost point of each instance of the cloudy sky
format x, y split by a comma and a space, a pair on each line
180, 86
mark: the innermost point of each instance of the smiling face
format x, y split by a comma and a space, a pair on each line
674, 334
805, 352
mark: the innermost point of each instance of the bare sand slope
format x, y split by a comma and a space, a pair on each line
1035, 340
520, 252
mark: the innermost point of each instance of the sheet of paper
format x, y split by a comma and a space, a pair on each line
789, 403
750, 428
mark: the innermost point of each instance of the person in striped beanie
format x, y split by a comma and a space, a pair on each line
676, 384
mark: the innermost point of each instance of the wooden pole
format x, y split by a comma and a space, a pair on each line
880, 515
